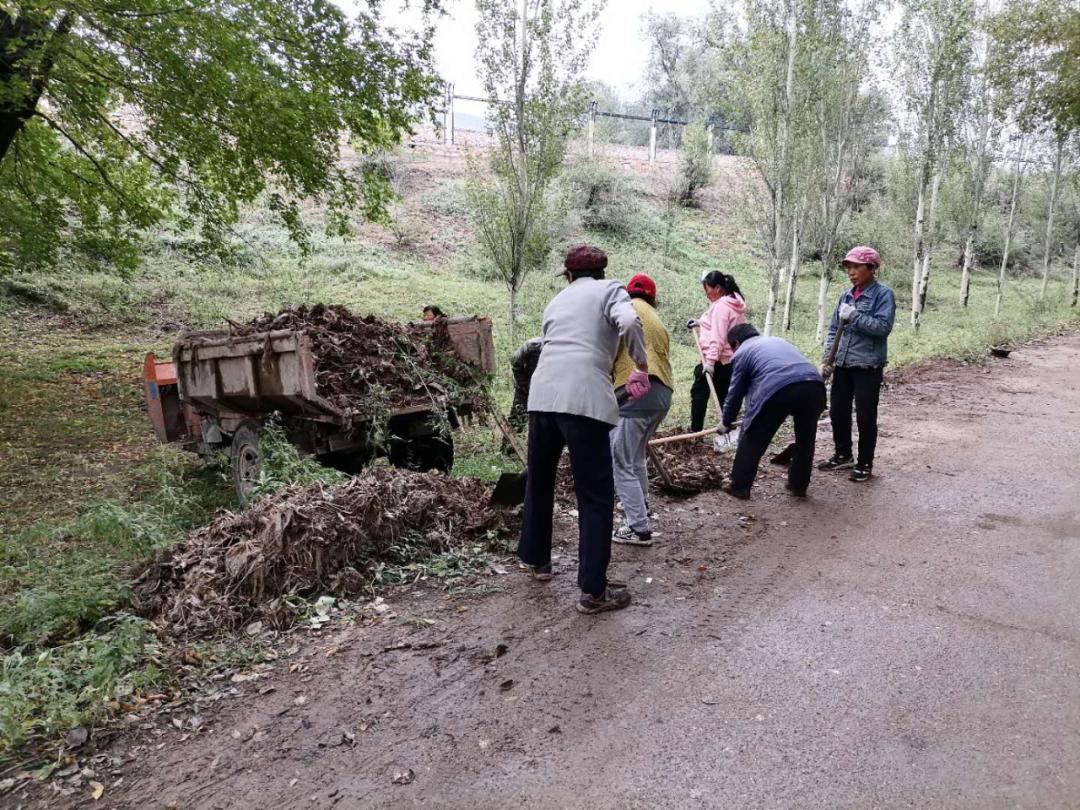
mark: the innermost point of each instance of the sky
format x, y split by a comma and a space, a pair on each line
619, 59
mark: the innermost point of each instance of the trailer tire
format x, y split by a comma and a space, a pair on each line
423, 453
245, 460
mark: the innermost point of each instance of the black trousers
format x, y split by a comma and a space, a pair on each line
804, 402
699, 393
863, 385
590, 461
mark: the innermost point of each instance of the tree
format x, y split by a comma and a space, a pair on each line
763, 85
979, 130
116, 114
530, 61
932, 61
844, 117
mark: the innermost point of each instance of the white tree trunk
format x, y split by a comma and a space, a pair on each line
823, 302
792, 276
919, 304
1076, 276
1050, 219
918, 244
965, 274
776, 260
1017, 173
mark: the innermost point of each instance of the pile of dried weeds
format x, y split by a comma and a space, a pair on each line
364, 364
693, 466
310, 539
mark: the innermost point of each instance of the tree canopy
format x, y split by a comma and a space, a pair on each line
118, 114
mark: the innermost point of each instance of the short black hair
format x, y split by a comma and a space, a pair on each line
434, 310
740, 334
576, 274
648, 299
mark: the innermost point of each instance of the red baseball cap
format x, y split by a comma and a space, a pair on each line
641, 283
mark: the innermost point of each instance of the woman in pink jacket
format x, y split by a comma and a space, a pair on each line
726, 309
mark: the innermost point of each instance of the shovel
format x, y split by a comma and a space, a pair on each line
510, 488
786, 455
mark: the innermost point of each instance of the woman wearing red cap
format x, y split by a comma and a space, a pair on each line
639, 418
867, 311
726, 309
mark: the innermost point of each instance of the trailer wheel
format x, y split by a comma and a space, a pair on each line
423, 453
245, 460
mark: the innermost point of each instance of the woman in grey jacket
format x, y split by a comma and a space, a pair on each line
867, 311
572, 405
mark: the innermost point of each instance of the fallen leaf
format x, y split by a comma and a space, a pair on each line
254, 628
507, 685
501, 650
403, 777
77, 737
97, 790
243, 677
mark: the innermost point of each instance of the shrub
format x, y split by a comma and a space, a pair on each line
695, 165
602, 196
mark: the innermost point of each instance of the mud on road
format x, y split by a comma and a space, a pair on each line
912, 642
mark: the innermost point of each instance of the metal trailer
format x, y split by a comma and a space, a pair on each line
220, 389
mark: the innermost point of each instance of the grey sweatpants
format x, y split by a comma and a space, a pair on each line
638, 422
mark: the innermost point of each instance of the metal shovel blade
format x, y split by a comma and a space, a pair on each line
509, 490
785, 456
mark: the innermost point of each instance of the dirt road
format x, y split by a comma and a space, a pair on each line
914, 642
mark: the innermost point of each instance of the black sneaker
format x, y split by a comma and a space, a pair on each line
837, 462
541, 573
628, 537
610, 599
741, 494
861, 472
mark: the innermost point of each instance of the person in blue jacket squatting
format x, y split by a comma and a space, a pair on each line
776, 382
867, 311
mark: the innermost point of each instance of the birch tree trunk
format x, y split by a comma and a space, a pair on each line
918, 240
1017, 173
784, 170
1076, 276
1050, 219
919, 304
792, 275
822, 301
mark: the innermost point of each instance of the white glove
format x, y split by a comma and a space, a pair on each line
708, 367
690, 324
847, 312
723, 430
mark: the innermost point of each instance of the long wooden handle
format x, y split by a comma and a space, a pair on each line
708, 377
836, 343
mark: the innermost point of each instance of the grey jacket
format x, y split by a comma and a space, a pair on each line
581, 331
760, 368
864, 343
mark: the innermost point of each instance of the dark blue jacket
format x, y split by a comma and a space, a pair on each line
760, 368
865, 340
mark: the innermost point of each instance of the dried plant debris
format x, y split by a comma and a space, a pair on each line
306, 540
364, 365
693, 465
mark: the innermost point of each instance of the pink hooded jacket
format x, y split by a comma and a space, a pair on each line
713, 326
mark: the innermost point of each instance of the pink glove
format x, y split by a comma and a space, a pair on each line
637, 385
